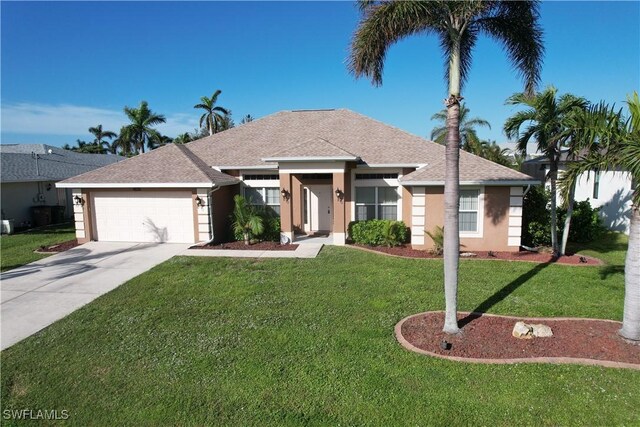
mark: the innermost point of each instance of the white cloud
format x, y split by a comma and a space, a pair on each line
65, 119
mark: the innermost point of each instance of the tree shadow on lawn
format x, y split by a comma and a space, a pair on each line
501, 294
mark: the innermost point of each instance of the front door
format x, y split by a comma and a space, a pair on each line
319, 208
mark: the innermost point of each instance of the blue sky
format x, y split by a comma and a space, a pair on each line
68, 66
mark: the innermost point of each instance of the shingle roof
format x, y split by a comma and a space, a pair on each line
313, 148
53, 163
473, 169
173, 163
374, 142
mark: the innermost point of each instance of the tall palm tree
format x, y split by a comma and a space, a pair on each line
159, 140
457, 25
611, 141
100, 135
140, 131
548, 119
213, 115
468, 125
123, 143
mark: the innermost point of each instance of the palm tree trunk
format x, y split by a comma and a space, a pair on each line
631, 315
553, 176
210, 123
246, 238
567, 220
451, 245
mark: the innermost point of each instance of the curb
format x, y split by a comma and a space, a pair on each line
552, 360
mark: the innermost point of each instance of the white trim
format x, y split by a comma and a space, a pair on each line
390, 165
220, 168
311, 159
318, 167
141, 185
485, 183
479, 233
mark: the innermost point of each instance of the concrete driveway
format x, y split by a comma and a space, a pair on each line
36, 295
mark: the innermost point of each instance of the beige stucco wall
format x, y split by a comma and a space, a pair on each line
495, 226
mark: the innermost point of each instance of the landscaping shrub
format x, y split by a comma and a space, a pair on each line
270, 226
586, 224
378, 232
437, 235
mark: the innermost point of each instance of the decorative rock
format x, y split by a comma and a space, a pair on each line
522, 331
468, 254
541, 331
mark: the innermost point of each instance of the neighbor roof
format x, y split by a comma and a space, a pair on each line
473, 170
171, 165
53, 163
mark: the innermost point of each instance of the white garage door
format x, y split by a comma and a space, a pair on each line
143, 216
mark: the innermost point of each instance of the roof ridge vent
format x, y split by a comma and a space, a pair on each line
312, 109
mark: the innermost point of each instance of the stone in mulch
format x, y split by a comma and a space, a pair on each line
259, 246
537, 257
489, 338
59, 247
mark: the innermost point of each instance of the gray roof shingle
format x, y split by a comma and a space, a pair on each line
53, 163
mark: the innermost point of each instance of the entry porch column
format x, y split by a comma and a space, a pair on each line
339, 226
286, 208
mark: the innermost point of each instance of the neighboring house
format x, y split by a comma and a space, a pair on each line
608, 190
29, 173
319, 169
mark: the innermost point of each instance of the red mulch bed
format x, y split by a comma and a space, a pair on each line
408, 252
59, 247
260, 246
489, 337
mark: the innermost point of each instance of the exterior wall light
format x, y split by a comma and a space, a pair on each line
199, 201
339, 194
285, 194
78, 201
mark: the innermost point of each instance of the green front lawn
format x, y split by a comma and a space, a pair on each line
199, 341
17, 249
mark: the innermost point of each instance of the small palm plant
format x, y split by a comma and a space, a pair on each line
437, 235
246, 220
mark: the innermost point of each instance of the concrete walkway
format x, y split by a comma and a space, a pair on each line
307, 250
36, 295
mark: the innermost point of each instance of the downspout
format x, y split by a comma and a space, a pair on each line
526, 190
210, 207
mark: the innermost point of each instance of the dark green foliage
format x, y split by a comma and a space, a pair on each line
378, 232
536, 220
270, 226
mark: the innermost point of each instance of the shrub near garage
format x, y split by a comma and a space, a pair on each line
378, 232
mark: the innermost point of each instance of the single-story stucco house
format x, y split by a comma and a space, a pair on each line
319, 169
29, 173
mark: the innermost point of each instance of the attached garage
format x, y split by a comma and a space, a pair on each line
143, 216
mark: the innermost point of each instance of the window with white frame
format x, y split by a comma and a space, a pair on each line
267, 197
469, 207
376, 203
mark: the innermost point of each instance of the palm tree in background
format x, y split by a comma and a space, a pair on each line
183, 138
468, 125
100, 135
457, 25
548, 119
123, 143
160, 140
140, 131
246, 119
213, 115
604, 140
